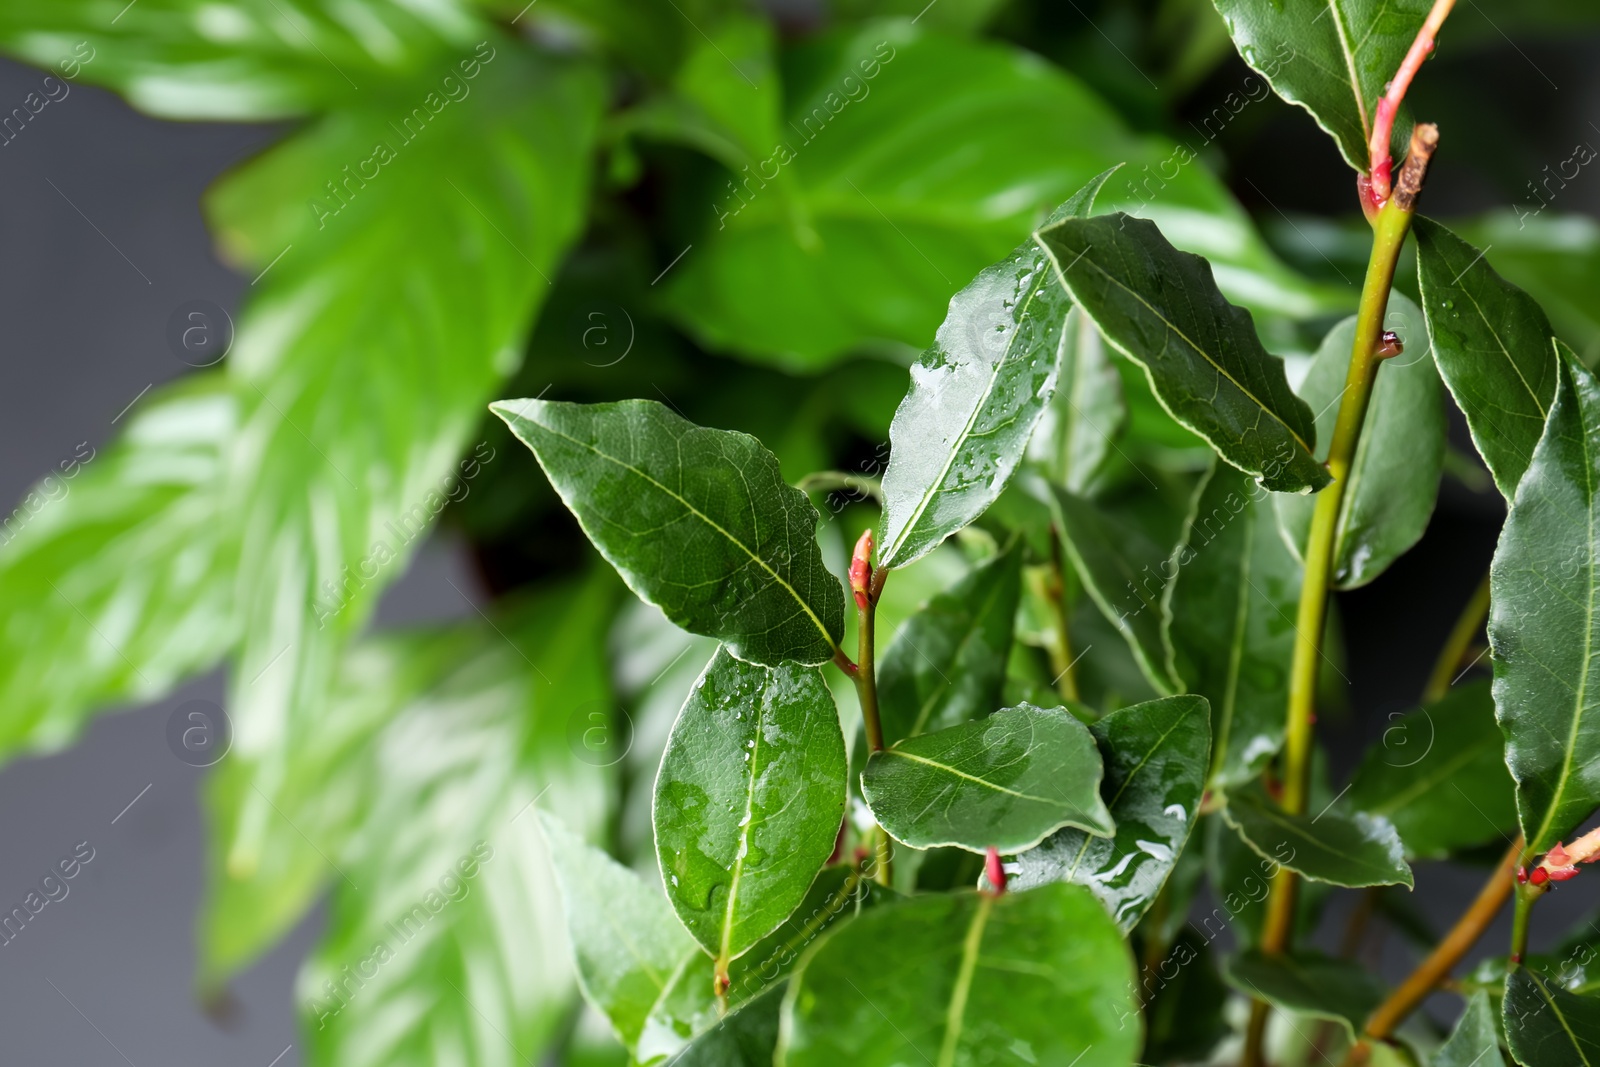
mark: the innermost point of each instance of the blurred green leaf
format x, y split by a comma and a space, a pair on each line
946, 664
1394, 478
1080, 426
1005, 781
625, 940
1475, 1041
1332, 57
912, 181
1542, 626
1155, 771
683, 512
1308, 983
1349, 850
745, 1037
1162, 308
1493, 346
1432, 761
957, 977
115, 575
1230, 621
749, 800
251, 59
1548, 1027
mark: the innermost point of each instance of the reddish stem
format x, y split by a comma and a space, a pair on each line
1375, 186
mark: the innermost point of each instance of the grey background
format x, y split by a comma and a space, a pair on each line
91, 267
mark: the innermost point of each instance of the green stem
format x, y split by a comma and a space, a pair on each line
1061, 660
1527, 893
1455, 646
866, 679
836, 481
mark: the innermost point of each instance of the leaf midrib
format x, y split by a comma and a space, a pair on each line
1342, 34
963, 774
703, 517
746, 829
955, 1014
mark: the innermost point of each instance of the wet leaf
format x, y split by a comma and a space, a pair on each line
954, 978
1230, 611
1155, 760
1394, 478
1494, 348
748, 800
1161, 307
1543, 627
1005, 781
698, 522
1348, 850
975, 398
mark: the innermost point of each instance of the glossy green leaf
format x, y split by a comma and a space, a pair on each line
975, 398
748, 800
946, 664
1348, 850
115, 574
1332, 57
1493, 346
1078, 432
1439, 775
1394, 478
1162, 308
911, 181
1475, 1041
688, 1006
1006, 781
1155, 771
1230, 610
625, 940
697, 521
1125, 575
252, 59
1307, 983
953, 978
745, 1037
1548, 1027
1555, 255
1543, 626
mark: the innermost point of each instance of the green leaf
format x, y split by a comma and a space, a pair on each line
1352, 851
625, 940
955, 978
115, 575
1078, 432
746, 1037
946, 664
1307, 983
1231, 609
1543, 626
1548, 1027
1556, 256
910, 182
975, 398
1332, 57
689, 1007
251, 60
1006, 781
1394, 478
1155, 760
1493, 346
698, 521
1162, 308
748, 800
1474, 1042
1439, 775
1125, 575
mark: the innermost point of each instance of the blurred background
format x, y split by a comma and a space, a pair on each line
105, 241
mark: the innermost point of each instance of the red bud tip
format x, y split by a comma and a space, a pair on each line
1522, 876
1561, 874
1539, 876
1557, 857
861, 569
994, 871
1516, 958
1390, 345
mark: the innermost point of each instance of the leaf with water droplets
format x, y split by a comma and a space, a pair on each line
1494, 348
1155, 760
1332, 57
964, 979
697, 521
748, 800
975, 397
1007, 781
1161, 307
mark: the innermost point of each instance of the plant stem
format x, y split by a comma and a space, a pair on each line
1061, 652
836, 481
1526, 895
866, 679
1445, 955
1456, 645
